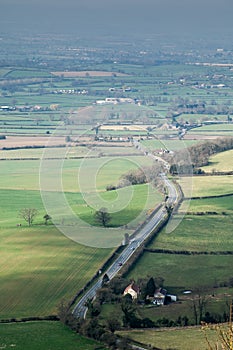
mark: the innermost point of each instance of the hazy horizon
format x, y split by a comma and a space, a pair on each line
137, 18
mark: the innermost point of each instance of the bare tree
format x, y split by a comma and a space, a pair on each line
28, 214
199, 303
224, 334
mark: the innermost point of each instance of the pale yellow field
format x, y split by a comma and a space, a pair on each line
23, 141
124, 127
199, 186
190, 338
220, 162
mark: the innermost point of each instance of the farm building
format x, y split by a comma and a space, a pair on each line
161, 297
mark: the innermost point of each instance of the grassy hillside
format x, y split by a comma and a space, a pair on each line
43, 335
220, 162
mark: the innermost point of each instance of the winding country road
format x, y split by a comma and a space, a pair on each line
155, 220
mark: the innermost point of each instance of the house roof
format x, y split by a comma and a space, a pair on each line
132, 286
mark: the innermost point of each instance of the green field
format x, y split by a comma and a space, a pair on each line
201, 186
43, 335
24, 174
182, 272
26, 73
72, 152
144, 198
37, 153
213, 130
44, 265
219, 205
171, 145
39, 267
198, 233
205, 272
199, 118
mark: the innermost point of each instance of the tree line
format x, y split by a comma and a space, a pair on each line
148, 174
189, 160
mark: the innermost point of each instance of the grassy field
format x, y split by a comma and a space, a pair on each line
199, 118
184, 272
198, 233
72, 152
214, 130
182, 339
24, 174
26, 73
219, 205
39, 267
144, 198
87, 74
44, 267
199, 186
220, 162
38, 153
43, 335
171, 145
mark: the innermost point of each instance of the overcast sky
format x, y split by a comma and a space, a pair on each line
100, 17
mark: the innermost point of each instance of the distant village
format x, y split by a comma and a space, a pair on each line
28, 108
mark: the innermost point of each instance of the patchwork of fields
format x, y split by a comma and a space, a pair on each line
39, 265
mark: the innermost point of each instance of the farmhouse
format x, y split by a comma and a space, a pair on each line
132, 290
161, 297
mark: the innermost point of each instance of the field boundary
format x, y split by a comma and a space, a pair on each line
30, 319
187, 252
208, 197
